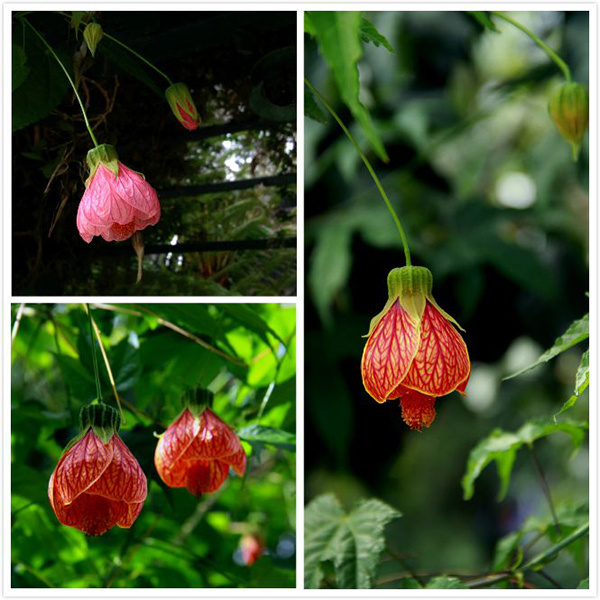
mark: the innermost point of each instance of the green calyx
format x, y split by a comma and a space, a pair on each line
92, 34
103, 419
569, 109
106, 155
198, 400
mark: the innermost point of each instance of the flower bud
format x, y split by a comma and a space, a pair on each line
183, 107
92, 35
569, 109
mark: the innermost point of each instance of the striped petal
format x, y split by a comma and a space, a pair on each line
441, 364
389, 352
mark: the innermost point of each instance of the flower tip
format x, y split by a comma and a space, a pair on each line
418, 412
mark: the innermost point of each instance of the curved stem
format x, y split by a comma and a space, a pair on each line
85, 117
94, 359
116, 41
562, 65
369, 168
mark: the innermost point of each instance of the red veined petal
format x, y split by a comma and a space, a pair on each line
123, 479
80, 467
205, 477
442, 361
388, 352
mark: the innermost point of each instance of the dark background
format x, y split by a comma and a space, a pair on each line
240, 68
461, 111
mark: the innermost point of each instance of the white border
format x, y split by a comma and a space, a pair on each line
7, 287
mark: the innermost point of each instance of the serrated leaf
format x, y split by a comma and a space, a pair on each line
446, 583
369, 33
577, 332
352, 541
338, 35
311, 108
484, 19
582, 381
268, 435
501, 447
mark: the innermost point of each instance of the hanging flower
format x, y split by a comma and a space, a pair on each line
97, 482
117, 202
183, 107
413, 352
198, 448
252, 548
569, 109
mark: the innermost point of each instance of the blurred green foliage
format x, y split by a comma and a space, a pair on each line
244, 353
494, 206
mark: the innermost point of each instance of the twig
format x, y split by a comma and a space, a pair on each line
409, 570
545, 488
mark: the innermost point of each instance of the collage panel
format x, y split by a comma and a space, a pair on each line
153, 446
446, 308
154, 153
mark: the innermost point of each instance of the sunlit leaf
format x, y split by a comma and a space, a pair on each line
268, 435
577, 332
369, 33
501, 447
582, 381
446, 583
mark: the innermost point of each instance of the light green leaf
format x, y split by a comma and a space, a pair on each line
308, 24
484, 19
501, 447
311, 108
369, 33
268, 435
577, 332
584, 584
582, 381
505, 550
446, 583
339, 37
352, 541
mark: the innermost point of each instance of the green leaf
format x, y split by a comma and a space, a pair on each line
446, 583
484, 19
268, 435
20, 70
501, 447
352, 541
582, 381
584, 584
329, 268
43, 88
338, 34
311, 108
505, 550
369, 33
577, 332
308, 24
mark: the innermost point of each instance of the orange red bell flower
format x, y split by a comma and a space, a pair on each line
197, 450
97, 482
413, 351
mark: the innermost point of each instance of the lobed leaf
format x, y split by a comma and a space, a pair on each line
352, 541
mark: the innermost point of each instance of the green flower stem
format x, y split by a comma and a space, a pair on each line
562, 65
85, 118
369, 167
116, 41
94, 359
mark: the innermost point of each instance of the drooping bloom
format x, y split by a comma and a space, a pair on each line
117, 201
92, 34
183, 107
569, 109
198, 448
252, 548
97, 482
413, 352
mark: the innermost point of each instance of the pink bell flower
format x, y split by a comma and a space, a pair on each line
117, 201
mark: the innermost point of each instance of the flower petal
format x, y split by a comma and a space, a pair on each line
442, 362
123, 479
91, 514
79, 468
388, 352
206, 476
